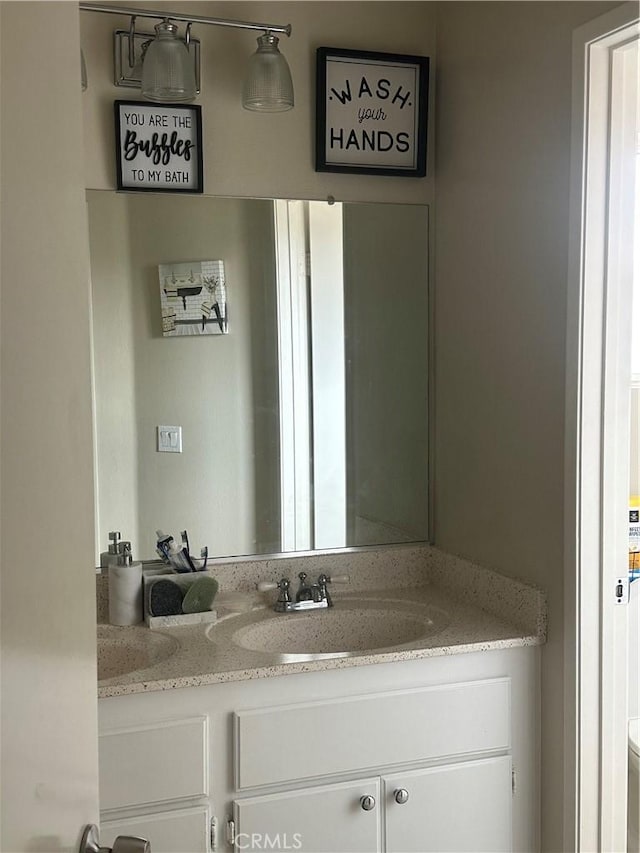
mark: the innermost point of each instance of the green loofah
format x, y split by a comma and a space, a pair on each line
200, 595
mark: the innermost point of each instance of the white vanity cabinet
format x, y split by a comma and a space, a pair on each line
287, 760
454, 801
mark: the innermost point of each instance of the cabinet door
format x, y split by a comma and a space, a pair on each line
175, 831
457, 808
314, 820
153, 763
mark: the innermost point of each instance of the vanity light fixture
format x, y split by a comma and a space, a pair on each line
166, 67
268, 86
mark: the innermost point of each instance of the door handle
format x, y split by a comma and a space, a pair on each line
90, 843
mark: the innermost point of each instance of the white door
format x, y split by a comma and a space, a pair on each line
332, 818
459, 807
49, 721
598, 387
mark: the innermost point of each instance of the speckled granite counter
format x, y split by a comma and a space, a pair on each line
480, 610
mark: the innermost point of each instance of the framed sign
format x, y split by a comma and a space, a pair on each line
158, 147
371, 112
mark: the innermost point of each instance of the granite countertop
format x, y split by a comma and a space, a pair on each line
468, 608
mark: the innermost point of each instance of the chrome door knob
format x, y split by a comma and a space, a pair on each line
368, 802
401, 795
130, 844
90, 843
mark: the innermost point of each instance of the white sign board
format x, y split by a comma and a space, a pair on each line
158, 147
371, 112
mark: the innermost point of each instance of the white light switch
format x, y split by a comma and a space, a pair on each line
169, 439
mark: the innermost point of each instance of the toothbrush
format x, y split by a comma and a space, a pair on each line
187, 550
162, 545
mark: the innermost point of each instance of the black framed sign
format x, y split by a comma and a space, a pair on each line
158, 147
371, 112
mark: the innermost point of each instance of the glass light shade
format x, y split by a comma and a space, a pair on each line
167, 70
268, 87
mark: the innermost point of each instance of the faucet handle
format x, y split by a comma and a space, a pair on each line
324, 581
267, 586
284, 598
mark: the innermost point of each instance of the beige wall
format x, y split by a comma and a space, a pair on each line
244, 152
49, 786
502, 217
203, 383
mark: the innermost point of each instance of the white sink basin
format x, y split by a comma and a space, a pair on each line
123, 650
352, 626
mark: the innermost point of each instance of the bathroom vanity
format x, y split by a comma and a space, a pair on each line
406, 716
425, 745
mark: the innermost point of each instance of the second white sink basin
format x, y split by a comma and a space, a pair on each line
352, 626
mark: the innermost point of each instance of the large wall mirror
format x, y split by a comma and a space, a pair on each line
305, 426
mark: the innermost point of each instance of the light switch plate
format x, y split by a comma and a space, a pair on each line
169, 439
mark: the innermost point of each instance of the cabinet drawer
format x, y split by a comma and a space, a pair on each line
153, 763
297, 742
168, 832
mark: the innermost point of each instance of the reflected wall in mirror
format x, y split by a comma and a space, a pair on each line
303, 428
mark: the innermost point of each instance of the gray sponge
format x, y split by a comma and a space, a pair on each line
165, 599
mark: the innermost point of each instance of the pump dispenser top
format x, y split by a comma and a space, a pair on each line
110, 556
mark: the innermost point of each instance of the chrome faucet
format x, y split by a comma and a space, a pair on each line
308, 591
310, 596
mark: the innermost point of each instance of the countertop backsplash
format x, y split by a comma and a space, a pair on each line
388, 567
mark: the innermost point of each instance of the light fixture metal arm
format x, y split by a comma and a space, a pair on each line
193, 19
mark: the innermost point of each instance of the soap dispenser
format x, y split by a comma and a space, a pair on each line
125, 589
110, 556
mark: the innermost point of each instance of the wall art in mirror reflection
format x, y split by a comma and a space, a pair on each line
193, 297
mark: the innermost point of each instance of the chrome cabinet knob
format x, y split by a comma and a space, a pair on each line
401, 795
367, 803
